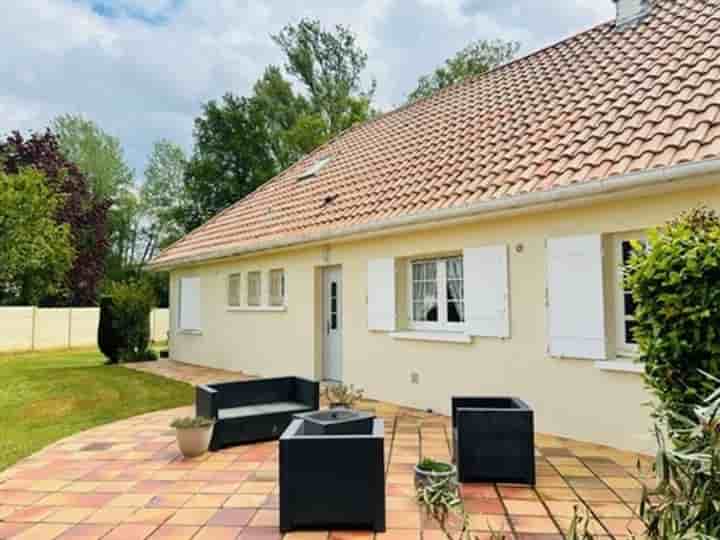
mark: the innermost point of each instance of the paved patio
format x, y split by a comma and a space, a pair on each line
127, 481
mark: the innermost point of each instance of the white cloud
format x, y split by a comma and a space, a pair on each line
142, 80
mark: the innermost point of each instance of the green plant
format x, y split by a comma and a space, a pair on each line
343, 394
441, 501
431, 465
108, 337
675, 283
189, 422
685, 505
132, 303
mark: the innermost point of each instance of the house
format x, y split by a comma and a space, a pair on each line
471, 242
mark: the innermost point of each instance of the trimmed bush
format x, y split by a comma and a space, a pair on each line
676, 285
108, 337
131, 306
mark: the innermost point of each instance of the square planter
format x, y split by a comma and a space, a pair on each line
493, 440
337, 421
332, 481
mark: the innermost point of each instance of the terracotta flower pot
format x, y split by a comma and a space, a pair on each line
194, 442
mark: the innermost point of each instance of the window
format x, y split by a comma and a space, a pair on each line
624, 303
234, 298
437, 294
314, 169
189, 304
254, 281
277, 287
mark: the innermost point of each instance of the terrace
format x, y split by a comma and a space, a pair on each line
127, 480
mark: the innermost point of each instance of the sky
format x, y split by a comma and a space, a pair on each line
143, 68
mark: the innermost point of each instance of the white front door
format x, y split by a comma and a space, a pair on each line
332, 324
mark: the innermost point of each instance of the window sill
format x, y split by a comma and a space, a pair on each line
447, 337
627, 366
190, 332
269, 309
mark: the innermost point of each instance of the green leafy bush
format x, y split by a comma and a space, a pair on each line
676, 285
132, 303
686, 502
108, 337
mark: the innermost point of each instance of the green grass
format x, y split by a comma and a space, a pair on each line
47, 396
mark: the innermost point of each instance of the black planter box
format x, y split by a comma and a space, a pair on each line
338, 421
332, 481
255, 410
493, 440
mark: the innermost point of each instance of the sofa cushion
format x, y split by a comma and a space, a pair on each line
261, 409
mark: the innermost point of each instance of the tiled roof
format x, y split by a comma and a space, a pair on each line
601, 104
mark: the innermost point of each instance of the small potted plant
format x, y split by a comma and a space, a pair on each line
343, 396
193, 435
430, 471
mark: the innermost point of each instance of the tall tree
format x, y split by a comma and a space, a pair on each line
231, 158
241, 142
329, 65
85, 214
477, 58
35, 251
97, 154
162, 197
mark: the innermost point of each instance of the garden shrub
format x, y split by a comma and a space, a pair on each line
108, 335
132, 304
675, 283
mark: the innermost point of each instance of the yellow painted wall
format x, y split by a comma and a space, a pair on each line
571, 397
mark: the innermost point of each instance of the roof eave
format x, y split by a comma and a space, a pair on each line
535, 201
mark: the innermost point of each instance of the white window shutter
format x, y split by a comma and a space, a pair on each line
190, 304
487, 311
575, 298
381, 294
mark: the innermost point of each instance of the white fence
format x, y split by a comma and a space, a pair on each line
34, 329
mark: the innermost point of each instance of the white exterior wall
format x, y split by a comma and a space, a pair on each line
571, 397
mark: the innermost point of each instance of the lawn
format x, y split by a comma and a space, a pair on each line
47, 396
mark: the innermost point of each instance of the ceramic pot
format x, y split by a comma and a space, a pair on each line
194, 442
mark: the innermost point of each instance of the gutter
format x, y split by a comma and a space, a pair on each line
528, 202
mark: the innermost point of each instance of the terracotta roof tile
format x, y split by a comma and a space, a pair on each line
600, 104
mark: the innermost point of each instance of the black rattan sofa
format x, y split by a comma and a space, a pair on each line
493, 440
254, 410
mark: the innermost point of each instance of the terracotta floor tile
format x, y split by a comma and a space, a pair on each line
351, 535
205, 501
110, 515
174, 532
259, 488
150, 516
401, 519
489, 522
533, 524
479, 491
597, 495
131, 531
259, 533
221, 533
245, 500
307, 535
31, 514
169, 500
266, 518
232, 517
8, 530
69, 515
484, 506
135, 500
401, 503
191, 516
399, 534
85, 532
43, 531
512, 492
525, 508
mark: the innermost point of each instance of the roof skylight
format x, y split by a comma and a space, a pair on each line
315, 168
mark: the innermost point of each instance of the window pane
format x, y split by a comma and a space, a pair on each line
629, 329
456, 312
234, 290
626, 251
277, 287
630, 305
253, 292
424, 291
333, 321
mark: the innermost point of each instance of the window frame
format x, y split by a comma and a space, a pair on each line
283, 288
230, 277
442, 324
253, 274
623, 349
